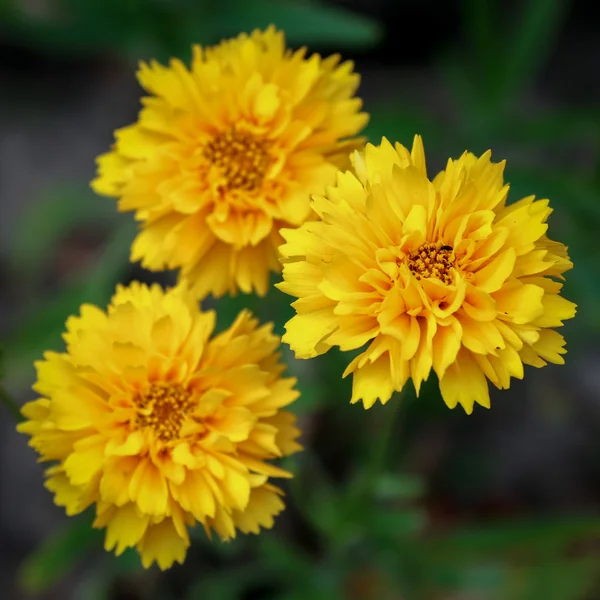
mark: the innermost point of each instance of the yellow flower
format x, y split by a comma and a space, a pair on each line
225, 154
440, 275
162, 426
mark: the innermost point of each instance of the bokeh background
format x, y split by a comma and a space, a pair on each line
501, 505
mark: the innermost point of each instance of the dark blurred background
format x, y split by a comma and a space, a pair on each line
501, 505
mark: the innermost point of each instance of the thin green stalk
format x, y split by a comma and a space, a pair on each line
377, 459
11, 405
528, 46
480, 26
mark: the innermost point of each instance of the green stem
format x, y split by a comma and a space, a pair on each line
376, 464
378, 459
479, 19
11, 405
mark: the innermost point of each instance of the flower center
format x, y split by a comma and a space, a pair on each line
432, 260
163, 408
242, 158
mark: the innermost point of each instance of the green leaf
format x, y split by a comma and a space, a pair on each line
525, 51
314, 495
304, 21
223, 588
153, 29
398, 487
58, 555
396, 525
555, 127
312, 394
133, 27
283, 557
479, 20
41, 330
523, 536
558, 580
400, 123
48, 220
471, 578
128, 562
43, 326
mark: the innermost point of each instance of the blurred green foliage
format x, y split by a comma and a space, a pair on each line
366, 533
164, 28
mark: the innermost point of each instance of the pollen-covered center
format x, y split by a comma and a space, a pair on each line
432, 260
163, 408
242, 158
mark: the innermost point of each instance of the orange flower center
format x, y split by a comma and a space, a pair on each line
432, 260
163, 408
242, 158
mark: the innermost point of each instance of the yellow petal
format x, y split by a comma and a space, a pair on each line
307, 334
521, 303
129, 444
491, 277
479, 305
556, 310
265, 503
114, 485
195, 495
464, 383
236, 487
372, 382
87, 459
163, 545
148, 488
74, 498
125, 528
446, 344
236, 423
550, 346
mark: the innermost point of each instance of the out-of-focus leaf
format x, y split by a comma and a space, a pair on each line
470, 578
58, 555
283, 558
153, 29
312, 396
564, 580
130, 27
107, 270
223, 588
398, 487
554, 579
525, 51
39, 230
555, 127
316, 501
478, 19
42, 327
523, 536
397, 524
400, 124
304, 21
98, 585
128, 562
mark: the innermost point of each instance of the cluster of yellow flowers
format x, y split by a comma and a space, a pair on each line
244, 164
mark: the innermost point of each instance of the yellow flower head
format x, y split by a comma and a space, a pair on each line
161, 425
225, 154
435, 274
